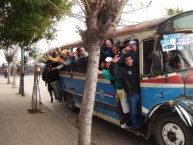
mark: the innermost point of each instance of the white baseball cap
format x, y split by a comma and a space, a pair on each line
132, 42
108, 59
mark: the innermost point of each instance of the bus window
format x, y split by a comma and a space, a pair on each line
148, 46
81, 66
180, 56
66, 68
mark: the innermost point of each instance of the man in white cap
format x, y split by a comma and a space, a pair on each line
120, 93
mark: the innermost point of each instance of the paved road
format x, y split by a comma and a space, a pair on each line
103, 133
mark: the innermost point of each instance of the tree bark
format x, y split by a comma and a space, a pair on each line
14, 77
86, 112
9, 73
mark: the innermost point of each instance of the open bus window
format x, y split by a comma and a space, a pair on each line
180, 55
66, 68
173, 61
80, 65
148, 47
79, 68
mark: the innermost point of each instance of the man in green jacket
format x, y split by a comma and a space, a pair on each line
120, 93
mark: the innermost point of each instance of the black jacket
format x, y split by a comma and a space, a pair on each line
129, 77
52, 76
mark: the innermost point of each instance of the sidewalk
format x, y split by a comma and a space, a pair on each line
18, 127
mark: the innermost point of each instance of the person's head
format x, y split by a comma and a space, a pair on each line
115, 49
108, 61
128, 59
168, 55
54, 54
176, 62
133, 45
63, 56
58, 50
108, 43
80, 50
128, 47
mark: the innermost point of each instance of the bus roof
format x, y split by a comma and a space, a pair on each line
162, 25
146, 25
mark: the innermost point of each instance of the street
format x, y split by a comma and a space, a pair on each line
103, 133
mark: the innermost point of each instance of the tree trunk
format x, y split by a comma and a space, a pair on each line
21, 86
9, 73
86, 112
14, 76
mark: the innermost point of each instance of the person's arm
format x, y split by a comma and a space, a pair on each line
100, 72
115, 70
106, 74
58, 67
51, 58
64, 63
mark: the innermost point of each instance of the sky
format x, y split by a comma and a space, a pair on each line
67, 29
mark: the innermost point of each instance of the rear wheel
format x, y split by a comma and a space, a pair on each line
70, 102
170, 130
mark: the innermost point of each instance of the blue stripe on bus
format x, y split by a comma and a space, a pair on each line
152, 96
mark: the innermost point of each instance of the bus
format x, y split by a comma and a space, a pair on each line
166, 79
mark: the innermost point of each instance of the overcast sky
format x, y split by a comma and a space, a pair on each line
67, 30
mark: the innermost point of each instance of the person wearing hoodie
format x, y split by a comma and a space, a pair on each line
129, 77
120, 93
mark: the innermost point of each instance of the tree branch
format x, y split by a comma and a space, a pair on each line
81, 6
101, 4
117, 17
87, 6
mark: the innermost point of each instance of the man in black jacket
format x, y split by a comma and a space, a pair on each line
129, 76
52, 79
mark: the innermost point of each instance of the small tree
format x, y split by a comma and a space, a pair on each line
9, 55
171, 11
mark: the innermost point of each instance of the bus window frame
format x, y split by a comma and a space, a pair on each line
143, 56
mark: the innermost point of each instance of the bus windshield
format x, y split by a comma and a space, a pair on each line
177, 51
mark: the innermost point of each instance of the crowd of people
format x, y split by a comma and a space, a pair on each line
57, 60
118, 63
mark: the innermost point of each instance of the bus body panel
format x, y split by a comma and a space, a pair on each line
105, 100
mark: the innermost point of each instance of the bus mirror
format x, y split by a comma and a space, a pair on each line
157, 60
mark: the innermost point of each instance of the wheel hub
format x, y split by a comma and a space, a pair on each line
172, 134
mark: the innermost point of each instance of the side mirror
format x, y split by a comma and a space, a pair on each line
157, 60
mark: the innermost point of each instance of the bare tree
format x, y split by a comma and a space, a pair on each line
102, 17
9, 53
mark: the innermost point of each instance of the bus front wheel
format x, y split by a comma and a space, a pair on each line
70, 102
171, 131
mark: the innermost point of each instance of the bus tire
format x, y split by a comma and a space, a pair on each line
70, 102
171, 130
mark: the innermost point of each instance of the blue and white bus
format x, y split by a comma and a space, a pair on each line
166, 79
